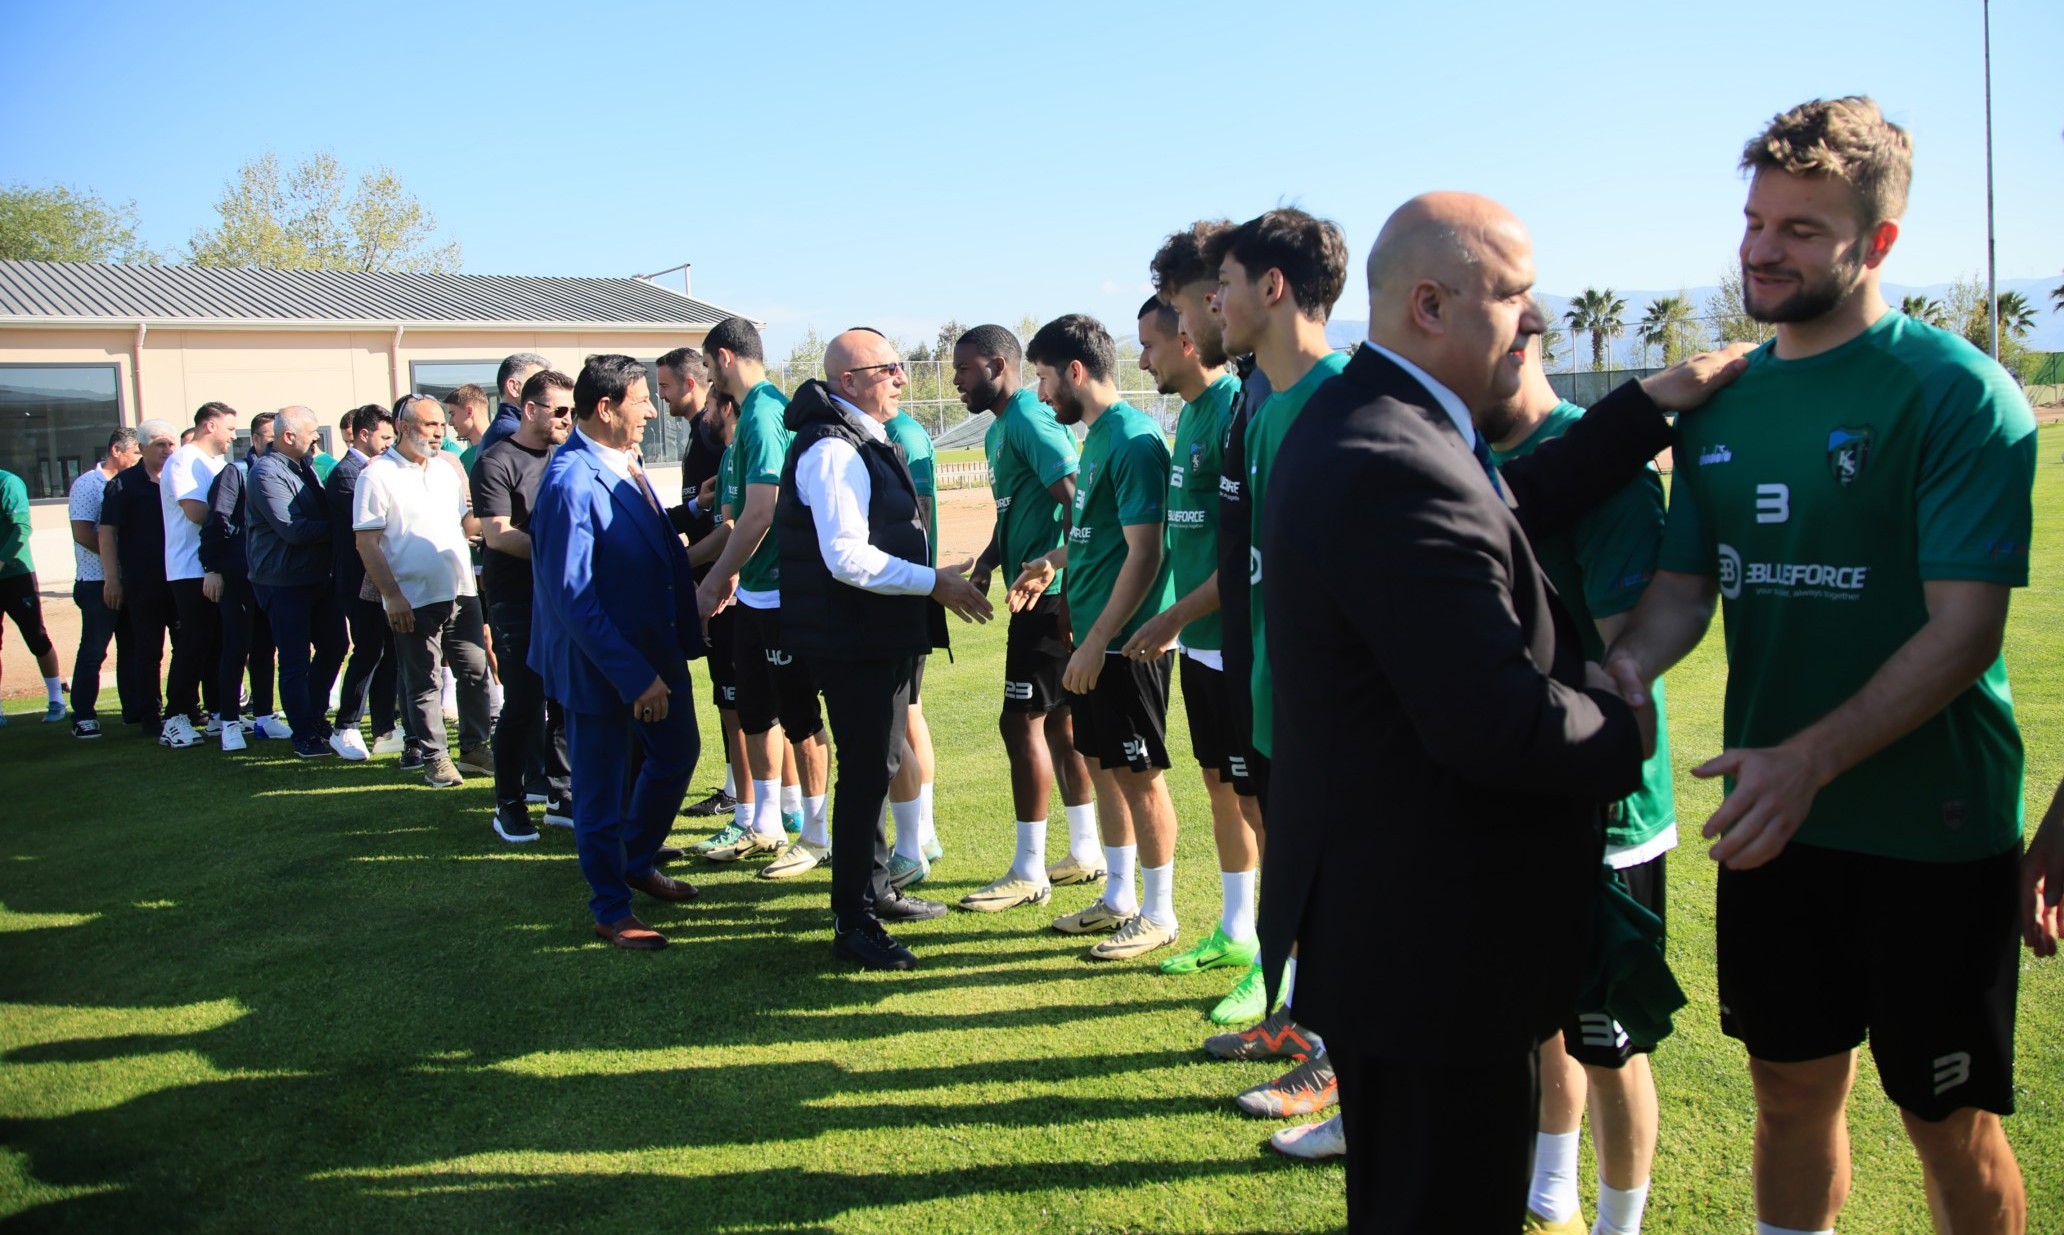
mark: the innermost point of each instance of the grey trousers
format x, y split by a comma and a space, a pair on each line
449, 633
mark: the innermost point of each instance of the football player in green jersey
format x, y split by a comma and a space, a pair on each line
1118, 576
1860, 501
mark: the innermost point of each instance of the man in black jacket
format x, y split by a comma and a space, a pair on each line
857, 606
371, 679
289, 543
246, 635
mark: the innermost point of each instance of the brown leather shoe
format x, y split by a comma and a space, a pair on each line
633, 934
665, 887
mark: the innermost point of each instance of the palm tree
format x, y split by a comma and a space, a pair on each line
1598, 312
1551, 343
1924, 309
2057, 297
2016, 315
1659, 324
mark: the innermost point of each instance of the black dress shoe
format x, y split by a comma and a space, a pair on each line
901, 908
871, 947
661, 856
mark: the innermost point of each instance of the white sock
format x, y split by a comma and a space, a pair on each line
816, 827
1031, 860
1765, 1228
1119, 896
449, 695
742, 814
909, 831
1554, 1192
927, 831
730, 781
766, 816
791, 799
1083, 837
1289, 979
56, 688
1157, 899
1236, 914
1619, 1213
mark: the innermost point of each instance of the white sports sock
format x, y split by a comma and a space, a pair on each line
494, 695
1619, 1213
1119, 896
1765, 1228
1157, 899
730, 781
909, 829
56, 688
927, 830
1083, 837
742, 812
1554, 1191
766, 807
1236, 914
1289, 979
791, 799
1031, 860
816, 827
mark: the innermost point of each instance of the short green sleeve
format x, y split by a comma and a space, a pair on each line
1047, 447
1972, 505
1140, 472
763, 451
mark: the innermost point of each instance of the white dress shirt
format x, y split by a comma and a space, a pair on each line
1448, 400
832, 481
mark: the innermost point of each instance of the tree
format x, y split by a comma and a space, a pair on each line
1666, 326
1730, 313
1924, 309
303, 219
1600, 314
63, 224
804, 360
1551, 343
2016, 315
949, 334
2057, 297
1965, 309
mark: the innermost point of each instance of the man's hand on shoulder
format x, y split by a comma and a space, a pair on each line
951, 589
1689, 383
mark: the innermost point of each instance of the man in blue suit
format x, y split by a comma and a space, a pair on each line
613, 628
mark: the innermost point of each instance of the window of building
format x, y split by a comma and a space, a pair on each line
55, 421
438, 378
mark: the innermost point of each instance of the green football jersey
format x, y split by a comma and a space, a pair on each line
919, 457
1123, 483
1028, 450
1193, 501
1265, 432
1599, 568
762, 448
1822, 493
729, 492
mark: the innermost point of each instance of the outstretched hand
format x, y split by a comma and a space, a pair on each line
1031, 585
1774, 788
951, 588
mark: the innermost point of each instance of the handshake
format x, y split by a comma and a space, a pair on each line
1620, 675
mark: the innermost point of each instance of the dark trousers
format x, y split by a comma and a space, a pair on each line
372, 678
1437, 1147
196, 651
624, 806
446, 633
305, 618
867, 704
97, 625
148, 613
529, 721
246, 640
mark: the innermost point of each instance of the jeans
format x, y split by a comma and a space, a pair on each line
97, 625
867, 703
196, 651
528, 720
446, 633
371, 679
246, 637
305, 616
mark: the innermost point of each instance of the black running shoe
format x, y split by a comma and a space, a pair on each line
718, 803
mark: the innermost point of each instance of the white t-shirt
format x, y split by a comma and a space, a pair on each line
420, 512
88, 491
187, 475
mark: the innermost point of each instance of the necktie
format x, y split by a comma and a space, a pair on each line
638, 474
1482, 451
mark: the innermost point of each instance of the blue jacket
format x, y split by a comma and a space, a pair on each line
614, 601
287, 526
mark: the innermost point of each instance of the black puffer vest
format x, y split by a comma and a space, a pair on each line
821, 616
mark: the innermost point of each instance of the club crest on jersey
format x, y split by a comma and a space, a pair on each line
1848, 453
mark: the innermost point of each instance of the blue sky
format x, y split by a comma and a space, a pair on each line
901, 164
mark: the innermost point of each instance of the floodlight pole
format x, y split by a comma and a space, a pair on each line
1991, 245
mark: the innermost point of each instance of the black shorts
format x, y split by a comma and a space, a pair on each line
1209, 705
1034, 653
1123, 721
1823, 948
21, 602
723, 676
917, 681
773, 686
1592, 1037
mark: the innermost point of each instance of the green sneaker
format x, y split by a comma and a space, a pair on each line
1246, 1002
904, 873
1216, 951
725, 837
933, 852
792, 822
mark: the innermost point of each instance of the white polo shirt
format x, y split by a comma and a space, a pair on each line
420, 512
186, 478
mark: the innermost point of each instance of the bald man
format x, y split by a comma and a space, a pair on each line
288, 541
858, 607
1473, 706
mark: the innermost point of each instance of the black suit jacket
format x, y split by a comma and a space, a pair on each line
1434, 834
338, 493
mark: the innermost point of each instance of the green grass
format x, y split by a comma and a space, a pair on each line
242, 993
971, 454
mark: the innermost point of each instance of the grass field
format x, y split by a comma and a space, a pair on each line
242, 993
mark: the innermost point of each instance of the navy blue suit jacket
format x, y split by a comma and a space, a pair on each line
614, 601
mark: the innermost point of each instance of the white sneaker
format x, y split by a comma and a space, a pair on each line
272, 727
1313, 1142
348, 745
214, 728
336, 694
390, 743
178, 733
233, 737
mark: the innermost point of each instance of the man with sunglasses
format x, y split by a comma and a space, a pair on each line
504, 482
